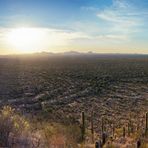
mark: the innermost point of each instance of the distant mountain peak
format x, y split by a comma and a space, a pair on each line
71, 52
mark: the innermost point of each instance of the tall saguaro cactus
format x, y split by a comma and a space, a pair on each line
146, 124
92, 126
128, 128
123, 131
104, 134
83, 126
102, 124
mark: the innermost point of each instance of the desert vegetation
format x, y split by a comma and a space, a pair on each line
19, 131
74, 100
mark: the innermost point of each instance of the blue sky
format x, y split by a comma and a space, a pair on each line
104, 26
46, 12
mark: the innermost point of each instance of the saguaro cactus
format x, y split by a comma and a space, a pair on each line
104, 138
123, 131
128, 128
83, 126
146, 124
98, 144
92, 126
138, 143
104, 135
102, 124
113, 130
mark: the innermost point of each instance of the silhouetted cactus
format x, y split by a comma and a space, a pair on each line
83, 126
123, 131
138, 143
146, 124
98, 144
92, 127
113, 130
102, 125
104, 138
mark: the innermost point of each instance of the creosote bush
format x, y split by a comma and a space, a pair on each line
10, 124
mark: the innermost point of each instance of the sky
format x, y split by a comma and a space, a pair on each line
102, 26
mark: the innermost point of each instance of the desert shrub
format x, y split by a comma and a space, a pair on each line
119, 132
10, 123
60, 135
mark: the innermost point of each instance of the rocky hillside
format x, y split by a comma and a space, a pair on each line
60, 87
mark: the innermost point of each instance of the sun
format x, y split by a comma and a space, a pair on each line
26, 40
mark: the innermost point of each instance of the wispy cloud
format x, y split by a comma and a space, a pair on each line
122, 17
111, 37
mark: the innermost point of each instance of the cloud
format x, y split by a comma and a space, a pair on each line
112, 37
119, 21
122, 18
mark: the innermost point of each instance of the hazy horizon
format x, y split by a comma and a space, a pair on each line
71, 53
